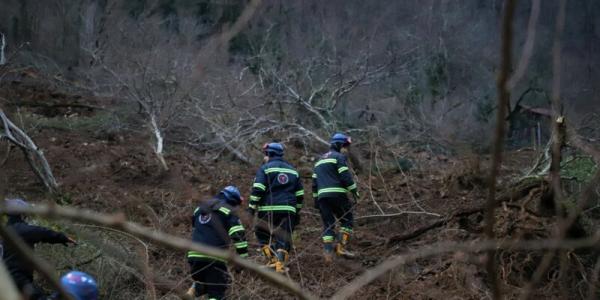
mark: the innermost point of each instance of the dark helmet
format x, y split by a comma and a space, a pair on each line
15, 203
340, 140
273, 149
80, 285
232, 195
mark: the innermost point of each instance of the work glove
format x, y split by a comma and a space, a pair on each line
296, 219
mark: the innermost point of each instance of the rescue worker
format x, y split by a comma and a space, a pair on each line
215, 225
277, 195
80, 285
20, 271
332, 181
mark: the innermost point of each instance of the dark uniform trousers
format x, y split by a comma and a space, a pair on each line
333, 208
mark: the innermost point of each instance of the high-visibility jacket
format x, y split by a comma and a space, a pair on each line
277, 187
331, 176
215, 225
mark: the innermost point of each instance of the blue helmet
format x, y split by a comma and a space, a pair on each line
80, 285
340, 139
15, 203
232, 195
273, 149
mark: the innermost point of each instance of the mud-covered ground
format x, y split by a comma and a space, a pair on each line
104, 165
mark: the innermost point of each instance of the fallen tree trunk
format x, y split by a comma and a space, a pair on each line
34, 155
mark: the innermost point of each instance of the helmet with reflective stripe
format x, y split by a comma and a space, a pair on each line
273, 149
80, 285
340, 139
232, 195
15, 203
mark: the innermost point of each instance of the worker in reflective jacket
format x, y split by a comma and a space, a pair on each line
215, 225
332, 181
277, 196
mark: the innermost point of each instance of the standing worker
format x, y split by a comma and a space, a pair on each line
277, 195
332, 181
21, 271
215, 225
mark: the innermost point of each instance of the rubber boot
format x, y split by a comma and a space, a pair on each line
268, 253
282, 258
340, 247
328, 248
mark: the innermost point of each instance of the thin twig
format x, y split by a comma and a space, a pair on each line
593, 283
406, 212
7, 286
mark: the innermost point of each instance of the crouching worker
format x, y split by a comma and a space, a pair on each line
277, 195
21, 271
215, 225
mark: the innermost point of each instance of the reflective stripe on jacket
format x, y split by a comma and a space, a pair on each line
215, 225
331, 176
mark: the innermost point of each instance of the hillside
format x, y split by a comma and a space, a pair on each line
403, 207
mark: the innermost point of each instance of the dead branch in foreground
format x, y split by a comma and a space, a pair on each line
443, 248
35, 156
118, 221
498, 142
558, 140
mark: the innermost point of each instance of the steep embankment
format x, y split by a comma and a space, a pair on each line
108, 166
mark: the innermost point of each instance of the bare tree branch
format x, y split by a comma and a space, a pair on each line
528, 47
7, 286
35, 157
473, 247
158, 149
2, 48
26, 254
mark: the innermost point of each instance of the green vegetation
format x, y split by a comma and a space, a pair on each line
578, 168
